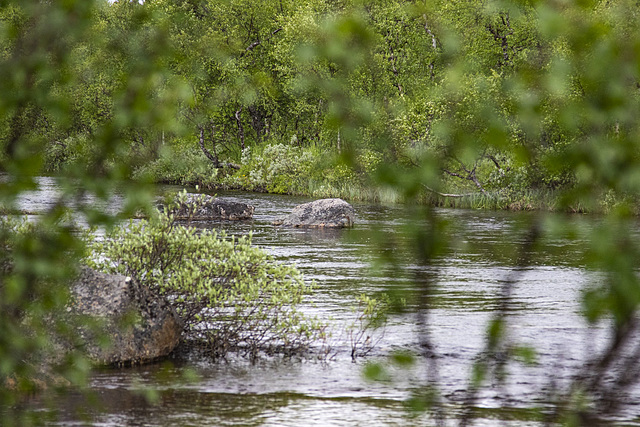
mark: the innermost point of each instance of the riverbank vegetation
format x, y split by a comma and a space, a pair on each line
326, 99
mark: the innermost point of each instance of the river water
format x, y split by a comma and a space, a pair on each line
545, 314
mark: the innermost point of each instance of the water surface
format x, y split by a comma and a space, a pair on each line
545, 313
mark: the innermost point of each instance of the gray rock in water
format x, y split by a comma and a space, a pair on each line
141, 325
324, 213
204, 207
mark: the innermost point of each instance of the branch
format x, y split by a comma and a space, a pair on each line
258, 43
214, 158
470, 177
490, 358
434, 43
501, 36
240, 128
477, 183
494, 160
446, 194
457, 175
433, 37
394, 69
206, 152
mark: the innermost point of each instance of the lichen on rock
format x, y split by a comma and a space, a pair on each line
323, 213
140, 325
202, 207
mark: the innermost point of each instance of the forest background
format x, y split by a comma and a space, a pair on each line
510, 104
494, 99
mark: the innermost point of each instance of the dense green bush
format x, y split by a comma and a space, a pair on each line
231, 295
312, 171
178, 165
276, 168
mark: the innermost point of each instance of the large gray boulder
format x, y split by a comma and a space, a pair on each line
140, 325
203, 207
324, 213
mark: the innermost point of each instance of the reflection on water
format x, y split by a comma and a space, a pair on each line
48, 194
545, 314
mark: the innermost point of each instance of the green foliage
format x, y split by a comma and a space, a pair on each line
34, 268
277, 168
183, 166
438, 97
313, 171
367, 329
63, 103
376, 372
231, 295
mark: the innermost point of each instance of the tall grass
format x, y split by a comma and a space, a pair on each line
511, 200
353, 191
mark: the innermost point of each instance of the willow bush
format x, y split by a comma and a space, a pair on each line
276, 168
230, 294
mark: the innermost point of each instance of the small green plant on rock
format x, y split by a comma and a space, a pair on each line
231, 295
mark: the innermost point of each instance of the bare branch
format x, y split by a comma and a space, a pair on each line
204, 149
393, 61
433, 37
446, 194
258, 43
457, 175
213, 157
500, 34
471, 176
494, 160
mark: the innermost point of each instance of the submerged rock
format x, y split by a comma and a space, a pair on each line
140, 325
204, 207
323, 213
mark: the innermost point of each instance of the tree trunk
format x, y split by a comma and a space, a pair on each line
240, 129
257, 115
213, 158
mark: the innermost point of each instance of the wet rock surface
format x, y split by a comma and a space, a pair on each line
204, 207
140, 325
323, 213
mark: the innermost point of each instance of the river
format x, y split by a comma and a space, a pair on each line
545, 313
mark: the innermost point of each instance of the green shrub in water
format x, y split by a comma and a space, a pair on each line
366, 331
231, 295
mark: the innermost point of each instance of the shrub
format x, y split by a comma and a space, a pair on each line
371, 317
180, 166
231, 295
278, 168
73, 150
311, 171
